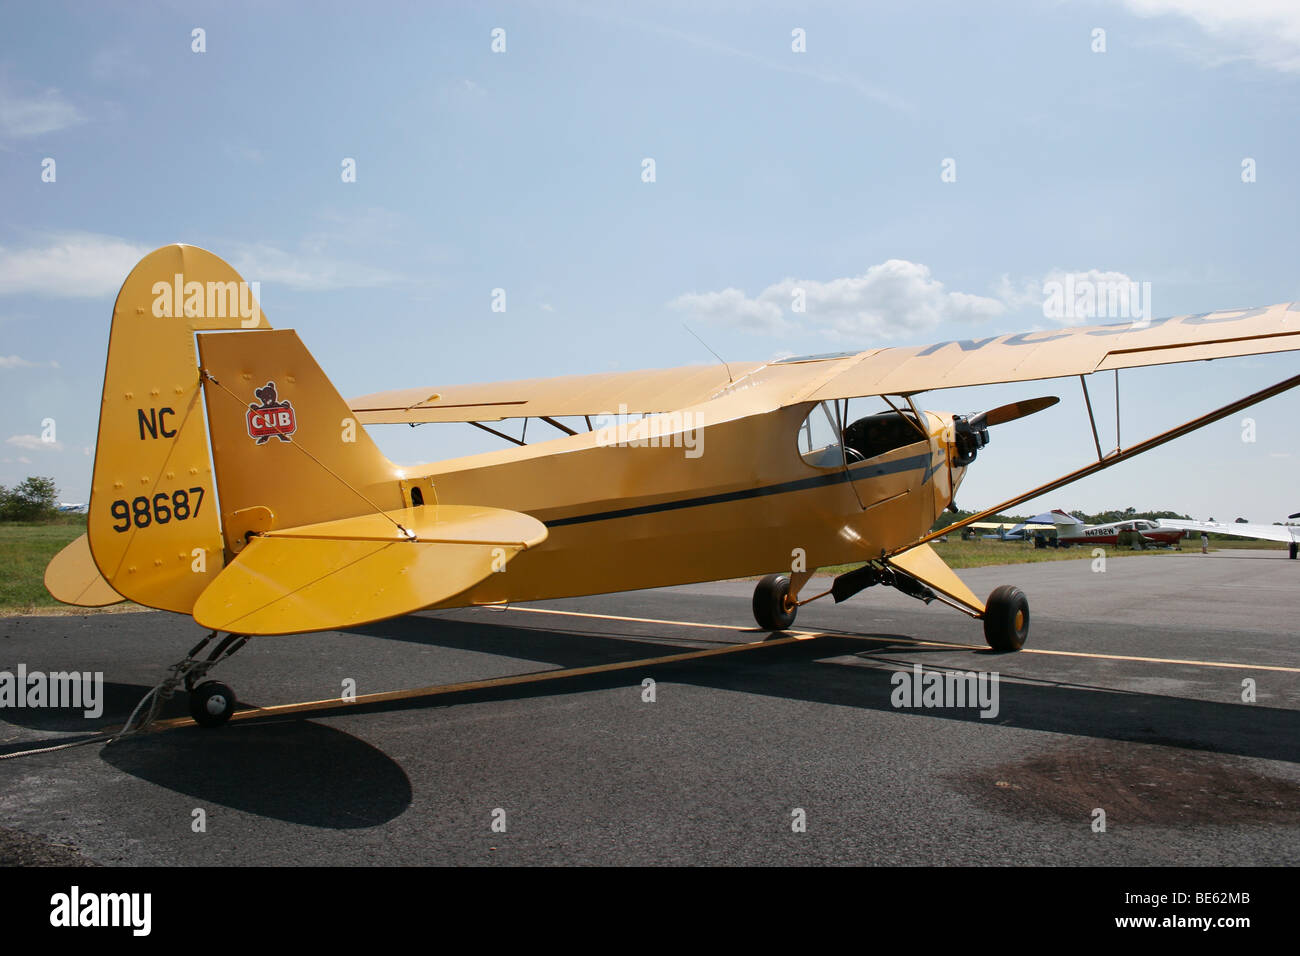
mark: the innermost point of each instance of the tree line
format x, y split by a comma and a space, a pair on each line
33, 499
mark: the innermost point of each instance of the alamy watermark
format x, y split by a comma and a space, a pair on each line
679, 429
211, 300
952, 689
1081, 297
82, 690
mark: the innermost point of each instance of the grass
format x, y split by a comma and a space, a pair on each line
25, 550
981, 553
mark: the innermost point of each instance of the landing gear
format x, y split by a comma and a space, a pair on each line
211, 703
1006, 619
1295, 548
772, 607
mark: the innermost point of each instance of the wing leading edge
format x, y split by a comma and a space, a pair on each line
1020, 357
1056, 353
606, 393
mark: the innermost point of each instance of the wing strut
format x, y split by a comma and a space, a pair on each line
1092, 420
1113, 459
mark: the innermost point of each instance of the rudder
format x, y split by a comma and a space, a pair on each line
153, 527
287, 449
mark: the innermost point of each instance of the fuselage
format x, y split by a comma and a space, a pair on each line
650, 505
1110, 533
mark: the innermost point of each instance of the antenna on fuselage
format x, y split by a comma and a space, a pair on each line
730, 380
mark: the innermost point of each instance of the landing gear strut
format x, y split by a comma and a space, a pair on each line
1005, 617
211, 702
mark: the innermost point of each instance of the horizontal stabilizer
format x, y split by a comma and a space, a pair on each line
924, 564
71, 577
339, 574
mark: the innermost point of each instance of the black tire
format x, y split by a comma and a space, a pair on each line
1294, 549
770, 609
1006, 619
211, 703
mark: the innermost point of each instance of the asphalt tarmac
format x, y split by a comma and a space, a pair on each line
1127, 701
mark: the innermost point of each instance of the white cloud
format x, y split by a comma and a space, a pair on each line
23, 116
15, 361
733, 307
889, 300
1095, 294
24, 461
75, 265
87, 265
33, 443
1266, 31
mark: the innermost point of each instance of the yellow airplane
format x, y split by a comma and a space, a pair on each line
233, 483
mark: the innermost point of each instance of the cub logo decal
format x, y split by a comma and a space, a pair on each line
271, 418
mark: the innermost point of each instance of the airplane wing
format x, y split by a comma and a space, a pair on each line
1024, 356
1054, 353
1265, 532
608, 393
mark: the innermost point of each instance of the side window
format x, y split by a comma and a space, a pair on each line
819, 438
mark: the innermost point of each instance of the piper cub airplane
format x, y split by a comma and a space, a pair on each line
233, 483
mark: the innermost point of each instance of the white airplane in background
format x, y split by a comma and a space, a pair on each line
1264, 532
1071, 530
1006, 531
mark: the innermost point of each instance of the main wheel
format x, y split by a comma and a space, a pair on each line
1006, 619
211, 703
771, 608
1294, 549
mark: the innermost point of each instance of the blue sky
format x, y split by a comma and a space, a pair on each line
522, 170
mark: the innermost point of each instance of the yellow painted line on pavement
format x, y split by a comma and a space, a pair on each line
908, 640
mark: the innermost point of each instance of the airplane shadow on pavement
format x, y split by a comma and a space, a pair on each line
804, 671
298, 768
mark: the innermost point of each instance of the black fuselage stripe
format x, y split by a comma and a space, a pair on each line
802, 484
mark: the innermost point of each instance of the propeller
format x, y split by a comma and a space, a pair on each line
972, 433
1009, 413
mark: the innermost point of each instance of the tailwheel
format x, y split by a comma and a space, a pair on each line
1006, 619
773, 609
211, 703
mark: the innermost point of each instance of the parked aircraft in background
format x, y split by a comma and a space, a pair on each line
1071, 530
1264, 532
1006, 531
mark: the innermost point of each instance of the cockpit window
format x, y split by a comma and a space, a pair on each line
819, 437
822, 432
877, 434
